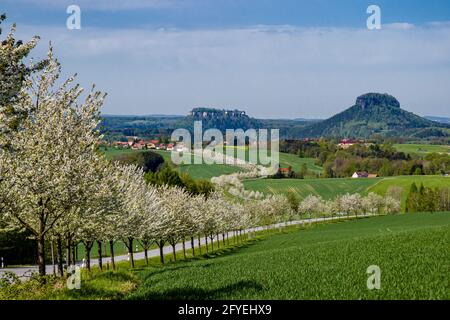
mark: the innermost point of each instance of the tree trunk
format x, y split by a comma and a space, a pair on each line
130, 251
99, 251
87, 248
111, 248
223, 239
212, 243
218, 241
206, 240
41, 255
68, 252
174, 254
53, 257
74, 253
146, 255
59, 256
199, 245
228, 238
184, 249
192, 246
161, 251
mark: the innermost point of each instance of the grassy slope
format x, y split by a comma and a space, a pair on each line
323, 262
421, 148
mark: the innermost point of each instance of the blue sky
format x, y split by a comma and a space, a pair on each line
278, 59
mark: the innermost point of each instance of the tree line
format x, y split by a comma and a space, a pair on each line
382, 159
426, 199
344, 205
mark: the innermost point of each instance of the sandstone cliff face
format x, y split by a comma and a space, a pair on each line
377, 99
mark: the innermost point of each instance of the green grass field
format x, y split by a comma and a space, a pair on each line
323, 262
287, 159
196, 171
421, 148
111, 152
205, 171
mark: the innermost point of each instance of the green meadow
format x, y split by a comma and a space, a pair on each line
421, 148
207, 171
323, 261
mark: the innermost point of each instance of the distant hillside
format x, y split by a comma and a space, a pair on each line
439, 119
219, 119
375, 113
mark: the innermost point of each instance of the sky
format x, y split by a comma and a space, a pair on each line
271, 58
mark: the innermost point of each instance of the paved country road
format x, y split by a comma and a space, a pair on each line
24, 272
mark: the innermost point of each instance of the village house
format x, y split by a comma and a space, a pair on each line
151, 144
139, 145
364, 174
360, 174
131, 141
346, 143
286, 172
121, 145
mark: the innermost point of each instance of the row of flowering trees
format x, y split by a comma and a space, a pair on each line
55, 184
348, 205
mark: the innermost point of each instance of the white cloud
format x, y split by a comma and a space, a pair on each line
271, 71
399, 25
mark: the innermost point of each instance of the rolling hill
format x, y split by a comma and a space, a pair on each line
375, 113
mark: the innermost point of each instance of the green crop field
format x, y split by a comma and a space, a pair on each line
421, 148
332, 187
322, 262
327, 188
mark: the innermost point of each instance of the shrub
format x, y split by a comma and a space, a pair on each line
147, 160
